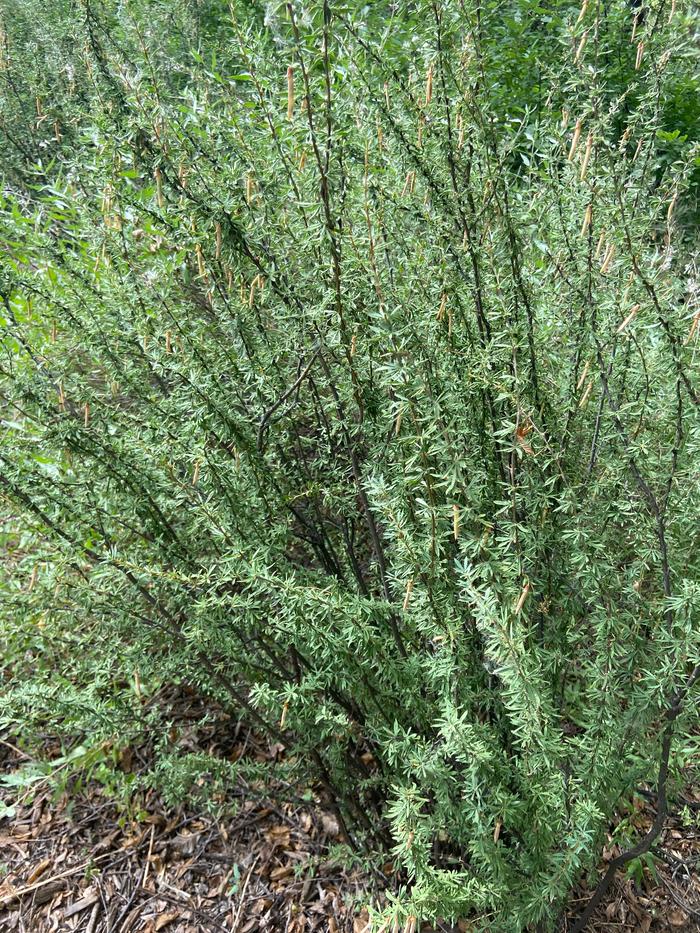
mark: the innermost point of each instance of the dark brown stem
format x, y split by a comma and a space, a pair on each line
673, 710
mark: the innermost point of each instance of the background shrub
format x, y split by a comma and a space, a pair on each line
348, 375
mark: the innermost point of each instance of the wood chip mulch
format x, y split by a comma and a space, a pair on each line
74, 865
81, 862
78, 863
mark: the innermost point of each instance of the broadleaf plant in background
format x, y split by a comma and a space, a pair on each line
349, 377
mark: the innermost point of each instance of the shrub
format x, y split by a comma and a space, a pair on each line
353, 388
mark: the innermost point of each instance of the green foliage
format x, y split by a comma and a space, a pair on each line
348, 375
637, 866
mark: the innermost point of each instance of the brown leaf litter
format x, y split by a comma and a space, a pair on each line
78, 864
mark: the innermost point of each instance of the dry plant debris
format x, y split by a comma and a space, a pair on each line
76, 864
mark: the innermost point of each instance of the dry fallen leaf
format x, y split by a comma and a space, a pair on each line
361, 921
38, 870
165, 919
678, 918
610, 853
330, 824
132, 840
90, 898
126, 759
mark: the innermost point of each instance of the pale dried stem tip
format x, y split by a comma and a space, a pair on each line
586, 394
672, 10
630, 317
443, 305
575, 139
607, 259
353, 345
587, 217
521, 599
583, 12
455, 521
587, 156
195, 474
397, 423
407, 597
601, 240
693, 328
419, 141
497, 830
302, 161
640, 53
159, 186
671, 207
217, 253
429, 86
168, 342
410, 925
86, 414
33, 578
625, 294
581, 47
637, 150
582, 377
283, 717
249, 188
290, 92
